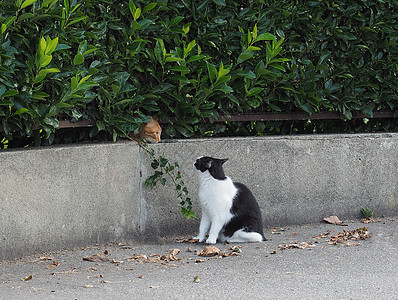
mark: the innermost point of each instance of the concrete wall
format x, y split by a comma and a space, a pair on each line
59, 197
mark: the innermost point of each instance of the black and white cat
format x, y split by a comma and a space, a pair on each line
229, 209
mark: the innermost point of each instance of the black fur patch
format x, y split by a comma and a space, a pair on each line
213, 165
247, 214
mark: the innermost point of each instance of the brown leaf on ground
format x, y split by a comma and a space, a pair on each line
229, 254
52, 266
210, 251
370, 220
27, 278
171, 255
323, 235
46, 258
277, 230
184, 240
298, 245
100, 257
346, 236
334, 220
154, 258
116, 261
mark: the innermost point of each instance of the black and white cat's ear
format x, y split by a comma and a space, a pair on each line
223, 160
208, 164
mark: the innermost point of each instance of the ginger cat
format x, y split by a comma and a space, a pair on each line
150, 132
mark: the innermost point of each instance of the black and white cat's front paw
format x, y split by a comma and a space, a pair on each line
211, 240
201, 239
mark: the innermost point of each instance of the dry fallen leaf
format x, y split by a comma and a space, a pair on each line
370, 220
196, 279
27, 278
116, 261
171, 255
323, 235
298, 245
334, 220
100, 257
277, 230
199, 260
46, 258
184, 240
209, 251
347, 235
52, 266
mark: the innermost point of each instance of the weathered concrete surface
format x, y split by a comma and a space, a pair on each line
297, 179
261, 271
59, 197
53, 198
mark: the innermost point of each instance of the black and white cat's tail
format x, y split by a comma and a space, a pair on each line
241, 236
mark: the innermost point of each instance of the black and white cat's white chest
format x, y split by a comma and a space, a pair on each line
230, 212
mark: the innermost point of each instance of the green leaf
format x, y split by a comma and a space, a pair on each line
211, 69
189, 48
173, 59
196, 57
75, 20
25, 16
50, 47
208, 105
132, 7
180, 69
45, 60
160, 51
6, 102
220, 2
10, 93
78, 59
265, 37
82, 47
47, 3
26, 3
254, 91
42, 74
175, 21
51, 121
149, 7
39, 95
73, 83
137, 13
8, 22
42, 46
21, 111
186, 27
2, 90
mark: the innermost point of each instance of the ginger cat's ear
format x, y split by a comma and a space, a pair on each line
155, 117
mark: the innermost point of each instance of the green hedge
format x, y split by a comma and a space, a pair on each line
117, 62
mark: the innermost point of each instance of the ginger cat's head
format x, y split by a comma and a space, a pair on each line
151, 131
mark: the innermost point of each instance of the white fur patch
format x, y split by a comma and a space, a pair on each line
241, 236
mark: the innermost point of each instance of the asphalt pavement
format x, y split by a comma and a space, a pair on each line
317, 261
